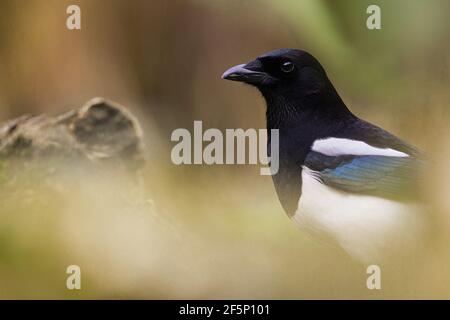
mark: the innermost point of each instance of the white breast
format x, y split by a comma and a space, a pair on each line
367, 227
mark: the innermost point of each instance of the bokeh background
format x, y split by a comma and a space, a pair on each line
211, 231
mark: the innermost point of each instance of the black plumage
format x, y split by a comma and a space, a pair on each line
304, 105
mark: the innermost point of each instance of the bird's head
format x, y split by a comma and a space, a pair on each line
292, 82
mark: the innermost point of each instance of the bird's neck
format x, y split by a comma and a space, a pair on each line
322, 111
300, 123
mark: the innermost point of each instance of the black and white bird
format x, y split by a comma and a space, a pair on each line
340, 177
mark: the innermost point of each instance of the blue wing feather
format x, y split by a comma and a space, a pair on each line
383, 176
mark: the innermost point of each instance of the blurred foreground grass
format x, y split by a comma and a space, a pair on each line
185, 232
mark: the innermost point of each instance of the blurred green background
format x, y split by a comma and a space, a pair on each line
210, 231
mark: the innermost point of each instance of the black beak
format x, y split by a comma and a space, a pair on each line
249, 73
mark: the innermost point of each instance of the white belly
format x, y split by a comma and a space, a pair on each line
368, 228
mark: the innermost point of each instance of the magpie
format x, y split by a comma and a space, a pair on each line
340, 178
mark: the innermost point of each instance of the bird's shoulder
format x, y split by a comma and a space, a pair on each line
366, 159
361, 130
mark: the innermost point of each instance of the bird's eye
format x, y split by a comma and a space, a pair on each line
287, 67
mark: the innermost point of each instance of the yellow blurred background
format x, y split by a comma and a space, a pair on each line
210, 231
